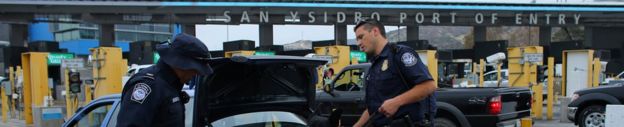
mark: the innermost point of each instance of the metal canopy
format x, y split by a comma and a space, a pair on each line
323, 12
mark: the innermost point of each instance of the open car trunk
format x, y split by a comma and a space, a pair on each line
257, 83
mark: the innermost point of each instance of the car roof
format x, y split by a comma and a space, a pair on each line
118, 96
112, 96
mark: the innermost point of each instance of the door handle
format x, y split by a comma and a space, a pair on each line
359, 99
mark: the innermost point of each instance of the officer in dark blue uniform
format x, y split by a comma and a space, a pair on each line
154, 97
399, 86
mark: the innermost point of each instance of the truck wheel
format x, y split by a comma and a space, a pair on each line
593, 116
443, 122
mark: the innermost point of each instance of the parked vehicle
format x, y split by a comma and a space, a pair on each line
457, 107
587, 108
133, 70
490, 79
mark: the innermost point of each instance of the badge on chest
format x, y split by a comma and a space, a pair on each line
384, 65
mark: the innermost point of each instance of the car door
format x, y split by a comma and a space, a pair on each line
349, 94
96, 114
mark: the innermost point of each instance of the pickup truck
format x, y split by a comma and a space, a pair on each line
457, 107
587, 108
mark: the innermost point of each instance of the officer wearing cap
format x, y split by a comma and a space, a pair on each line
154, 97
398, 83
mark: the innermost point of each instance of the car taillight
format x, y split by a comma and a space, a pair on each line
495, 105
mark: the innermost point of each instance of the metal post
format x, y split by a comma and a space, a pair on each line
564, 69
480, 33
597, 70
12, 73
5, 102
69, 108
107, 35
18, 35
498, 74
537, 93
551, 80
481, 69
35, 82
340, 34
412, 33
266, 35
545, 33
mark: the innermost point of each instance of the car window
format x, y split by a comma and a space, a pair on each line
490, 77
187, 122
349, 80
261, 119
93, 116
505, 75
113, 121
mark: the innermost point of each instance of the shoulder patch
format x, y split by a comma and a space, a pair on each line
140, 92
409, 59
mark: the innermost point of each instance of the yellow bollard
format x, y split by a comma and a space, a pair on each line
428, 57
12, 76
526, 122
5, 102
35, 82
88, 94
539, 101
69, 107
481, 69
551, 81
597, 72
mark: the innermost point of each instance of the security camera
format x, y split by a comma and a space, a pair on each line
496, 57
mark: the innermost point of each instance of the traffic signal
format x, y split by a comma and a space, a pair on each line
74, 82
541, 73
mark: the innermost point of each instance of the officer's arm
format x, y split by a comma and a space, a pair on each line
363, 119
139, 106
417, 75
417, 93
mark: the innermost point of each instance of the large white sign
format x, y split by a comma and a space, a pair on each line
72, 63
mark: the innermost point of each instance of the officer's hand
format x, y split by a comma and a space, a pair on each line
389, 107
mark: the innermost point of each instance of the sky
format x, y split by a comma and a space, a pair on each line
214, 35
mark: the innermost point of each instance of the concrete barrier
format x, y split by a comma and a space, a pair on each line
563, 107
48, 116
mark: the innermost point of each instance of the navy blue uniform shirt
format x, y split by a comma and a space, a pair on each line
151, 98
384, 82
